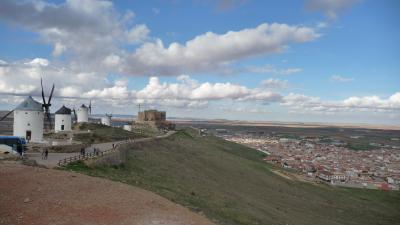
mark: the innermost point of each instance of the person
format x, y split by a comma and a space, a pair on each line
82, 151
113, 145
94, 151
46, 153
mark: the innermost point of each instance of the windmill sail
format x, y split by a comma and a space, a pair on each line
5, 116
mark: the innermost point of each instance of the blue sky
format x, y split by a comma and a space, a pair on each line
306, 61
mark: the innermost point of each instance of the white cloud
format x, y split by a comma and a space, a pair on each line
338, 78
112, 60
38, 62
23, 78
211, 51
330, 7
138, 34
274, 83
59, 49
270, 69
87, 32
351, 104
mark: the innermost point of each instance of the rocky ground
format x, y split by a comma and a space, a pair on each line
32, 195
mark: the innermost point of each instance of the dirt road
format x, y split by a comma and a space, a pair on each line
31, 195
53, 158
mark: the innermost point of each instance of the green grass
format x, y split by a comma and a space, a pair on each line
101, 133
231, 184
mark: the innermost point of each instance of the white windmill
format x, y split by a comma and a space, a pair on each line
106, 120
29, 117
28, 120
62, 119
83, 113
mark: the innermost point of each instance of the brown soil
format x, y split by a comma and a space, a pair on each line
31, 195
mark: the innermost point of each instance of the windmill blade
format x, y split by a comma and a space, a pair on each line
51, 95
41, 84
2, 118
76, 118
90, 107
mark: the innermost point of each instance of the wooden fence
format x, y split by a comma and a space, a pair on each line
85, 156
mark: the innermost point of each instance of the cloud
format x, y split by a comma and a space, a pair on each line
338, 78
274, 83
351, 104
330, 7
138, 34
38, 62
270, 69
189, 89
210, 51
23, 78
229, 4
87, 32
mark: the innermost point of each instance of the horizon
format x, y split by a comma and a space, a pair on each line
332, 62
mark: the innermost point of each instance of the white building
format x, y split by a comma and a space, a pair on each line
83, 114
28, 120
106, 120
62, 120
127, 127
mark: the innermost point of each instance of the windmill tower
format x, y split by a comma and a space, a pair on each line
62, 120
106, 120
28, 120
83, 113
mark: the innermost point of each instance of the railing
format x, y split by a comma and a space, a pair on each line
85, 156
91, 155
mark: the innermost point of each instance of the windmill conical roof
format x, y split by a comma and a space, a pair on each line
29, 104
64, 110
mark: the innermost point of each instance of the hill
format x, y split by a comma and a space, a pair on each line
102, 133
39, 196
231, 184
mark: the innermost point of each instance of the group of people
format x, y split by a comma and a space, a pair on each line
95, 151
83, 151
45, 153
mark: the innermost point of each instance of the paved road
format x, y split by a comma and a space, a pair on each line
53, 158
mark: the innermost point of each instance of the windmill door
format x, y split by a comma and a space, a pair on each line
62, 127
28, 135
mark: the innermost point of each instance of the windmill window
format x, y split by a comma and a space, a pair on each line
29, 124
26, 112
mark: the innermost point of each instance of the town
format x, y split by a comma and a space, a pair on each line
318, 159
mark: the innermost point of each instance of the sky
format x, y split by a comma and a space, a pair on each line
331, 61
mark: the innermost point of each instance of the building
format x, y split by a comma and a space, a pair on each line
28, 120
63, 120
155, 119
106, 120
325, 175
151, 116
127, 127
83, 114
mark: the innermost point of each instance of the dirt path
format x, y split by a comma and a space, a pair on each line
53, 158
31, 195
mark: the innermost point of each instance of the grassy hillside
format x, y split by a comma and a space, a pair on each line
230, 184
102, 133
